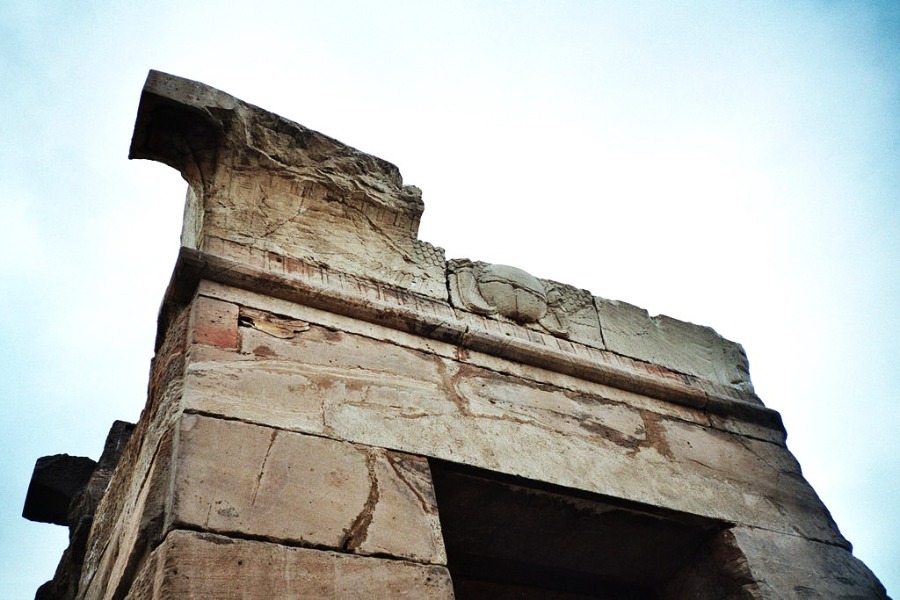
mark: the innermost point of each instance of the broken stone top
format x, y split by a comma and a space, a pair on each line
272, 203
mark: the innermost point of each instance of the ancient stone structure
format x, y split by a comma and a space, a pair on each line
335, 410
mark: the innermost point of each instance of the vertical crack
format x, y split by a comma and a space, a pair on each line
358, 531
262, 468
428, 505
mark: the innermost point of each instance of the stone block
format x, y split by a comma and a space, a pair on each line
55, 481
214, 322
684, 347
362, 390
234, 477
266, 182
788, 566
202, 565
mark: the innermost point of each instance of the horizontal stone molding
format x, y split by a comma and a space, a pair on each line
299, 281
307, 370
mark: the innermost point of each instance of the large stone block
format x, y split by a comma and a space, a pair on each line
506, 418
54, 483
677, 345
234, 477
788, 566
269, 183
202, 565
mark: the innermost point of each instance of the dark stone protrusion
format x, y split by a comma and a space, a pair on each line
55, 481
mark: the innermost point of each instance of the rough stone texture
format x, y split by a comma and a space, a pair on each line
202, 565
243, 479
266, 182
680, 346
787, 566
355, 388
214, 322
55, 481
313, 355
502, 291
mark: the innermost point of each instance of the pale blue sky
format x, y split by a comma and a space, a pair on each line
732, 164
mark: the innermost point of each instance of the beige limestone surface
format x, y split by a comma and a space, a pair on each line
202, 565
314, 355
269, 192
360, 389
246, 480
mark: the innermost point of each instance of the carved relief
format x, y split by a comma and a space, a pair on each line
504, 291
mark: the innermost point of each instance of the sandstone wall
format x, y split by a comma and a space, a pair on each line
316, 363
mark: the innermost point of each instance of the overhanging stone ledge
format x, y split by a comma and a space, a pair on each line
406, 311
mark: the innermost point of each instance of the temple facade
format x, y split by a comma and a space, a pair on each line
336, 410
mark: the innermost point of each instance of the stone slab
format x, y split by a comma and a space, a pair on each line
787, 566
234, 477
54, 483
677, 345
202, 565
300, 313
363, 390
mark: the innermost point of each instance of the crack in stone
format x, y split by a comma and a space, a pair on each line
262, 469
391, 242
272, 228
358, 531
451, 385
779, 470
428, 507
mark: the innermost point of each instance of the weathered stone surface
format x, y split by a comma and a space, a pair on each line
214, 322
55, 481
344, 295
263, 184
511, 293
233, 477
362, 390
64, 585
680, 346
313, 352
269, 183
293, 312
202, 565
129, 520
788, 566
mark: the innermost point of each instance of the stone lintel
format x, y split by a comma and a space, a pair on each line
322, 288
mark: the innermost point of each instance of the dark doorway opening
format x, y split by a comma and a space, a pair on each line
508, 537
